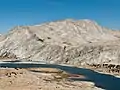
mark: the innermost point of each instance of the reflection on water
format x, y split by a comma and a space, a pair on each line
107, 82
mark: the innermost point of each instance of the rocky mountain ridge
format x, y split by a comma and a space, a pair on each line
76, 42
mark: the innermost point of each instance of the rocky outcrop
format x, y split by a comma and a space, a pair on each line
76, 42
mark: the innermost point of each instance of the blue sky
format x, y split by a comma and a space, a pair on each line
30, 12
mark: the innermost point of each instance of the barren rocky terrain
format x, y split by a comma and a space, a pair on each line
76, 42
41, 79
81, 43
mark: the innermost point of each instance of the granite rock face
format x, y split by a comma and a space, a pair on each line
76, 42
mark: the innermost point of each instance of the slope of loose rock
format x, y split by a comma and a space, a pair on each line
76, 42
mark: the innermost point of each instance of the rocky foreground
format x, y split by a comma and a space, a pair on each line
56, 77
42, 79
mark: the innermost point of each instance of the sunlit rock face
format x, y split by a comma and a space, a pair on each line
76, 42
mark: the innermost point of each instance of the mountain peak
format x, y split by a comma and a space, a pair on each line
49, 40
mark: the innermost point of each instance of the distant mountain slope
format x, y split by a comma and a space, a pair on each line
66, 41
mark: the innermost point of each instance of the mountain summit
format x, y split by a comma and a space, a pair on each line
67, 41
